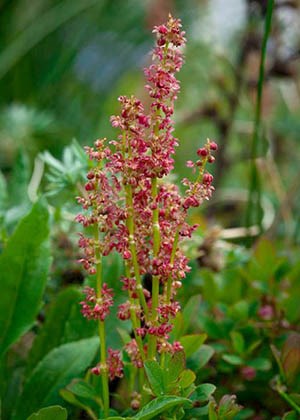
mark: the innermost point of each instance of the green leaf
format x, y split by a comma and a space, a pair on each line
70, 398
19, 179
159, 405
191, 343
187, 377
232, 359
291, 415
260, 363
204, 354
190, 311
49, 413
3, 193
118, 418
238, 341
155, 377
24, 266
173, 367
212, 415
203, 392
53, 373
64, 323
82, 389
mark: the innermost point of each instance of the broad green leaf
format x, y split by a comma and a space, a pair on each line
203, 392
291, 415
246, 413
118, 418
3, 193
212, 415
191, 312
24, 266
71, 398
50, 413
173, 367
178, 328
260, 363
204, 354
82, 389
53, 373
155, 377
187, 377
159, 405
198, 412
191, 343
64, 323
238, 342
232, 359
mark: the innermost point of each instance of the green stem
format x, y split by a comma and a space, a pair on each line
132, 247
101, 327
104, 374
288, 399
169, 283
254, 187
130, 227
135, 320
155, 279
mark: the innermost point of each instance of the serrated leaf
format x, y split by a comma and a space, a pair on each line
191, 343
49, 413
159, 405
53, 373
24, 266
155, 377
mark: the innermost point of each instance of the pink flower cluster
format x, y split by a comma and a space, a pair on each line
114, 365
97, 307
124, 191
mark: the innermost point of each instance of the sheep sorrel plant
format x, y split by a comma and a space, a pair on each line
131, 208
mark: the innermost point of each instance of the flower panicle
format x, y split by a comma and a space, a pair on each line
124, 189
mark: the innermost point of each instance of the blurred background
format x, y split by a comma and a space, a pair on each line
64, 63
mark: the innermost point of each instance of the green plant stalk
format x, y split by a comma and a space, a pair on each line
132, 247
155, 279
135, 320
130, 227
101, 328
169, 283
288, 399
254, 185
